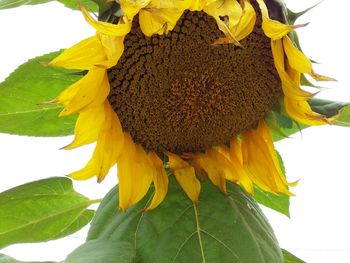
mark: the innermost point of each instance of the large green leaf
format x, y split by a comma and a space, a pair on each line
73, 4
290, 258
102, 251
220, 229
8, 259
42, 210
22, 93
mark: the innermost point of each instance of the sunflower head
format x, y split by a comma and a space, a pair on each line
186, 84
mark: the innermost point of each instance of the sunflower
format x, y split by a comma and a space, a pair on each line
186, 85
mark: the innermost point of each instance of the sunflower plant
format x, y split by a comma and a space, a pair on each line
187, 98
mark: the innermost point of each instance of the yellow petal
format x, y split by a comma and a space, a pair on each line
319, 77
272, 28
134, 173
106, 28
247, 21
290, 88
297, 60
131, 8
171, 4
259, 161
216, 166
84, 55
108, 148
301, 112
160, 180
231, 11
89, 92
84, 132
266, 136
113, 48
275, 29
198, 5
158, 21
236, 158
185, 175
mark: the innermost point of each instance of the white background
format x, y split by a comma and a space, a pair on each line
318, 230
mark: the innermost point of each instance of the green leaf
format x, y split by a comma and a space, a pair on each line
290, 258
42, 210
102, 251
73, 4
344, 117
279, 203
221, 228
326, 107
8, 259
22, 92
78, 223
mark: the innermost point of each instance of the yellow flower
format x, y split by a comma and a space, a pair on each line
185, 84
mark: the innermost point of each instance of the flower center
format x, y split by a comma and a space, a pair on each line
181, 93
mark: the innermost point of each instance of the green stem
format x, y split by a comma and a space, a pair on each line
95, 201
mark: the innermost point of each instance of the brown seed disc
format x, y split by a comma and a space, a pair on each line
178, 92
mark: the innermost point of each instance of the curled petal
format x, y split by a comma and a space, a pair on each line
185, 175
